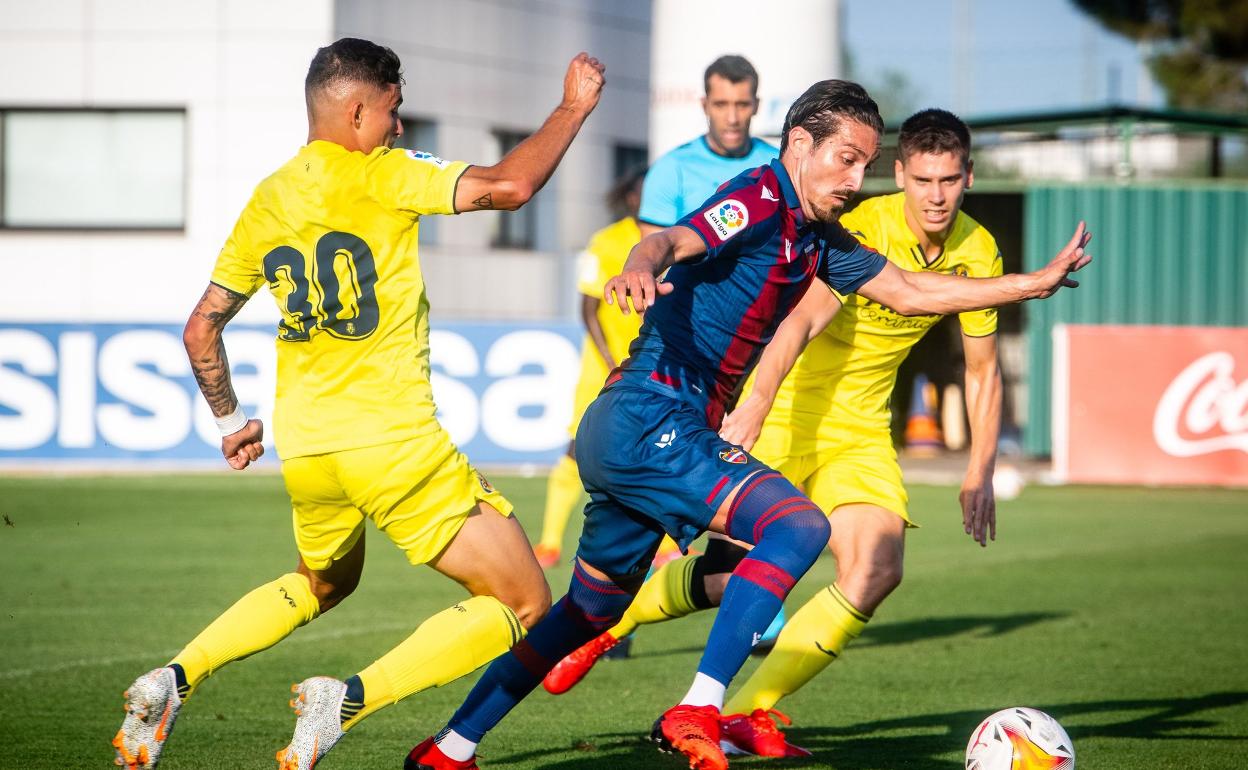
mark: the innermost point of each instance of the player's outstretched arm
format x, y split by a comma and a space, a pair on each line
646, 262
926, 293
811, 316
511, 182
240, 441
983, 407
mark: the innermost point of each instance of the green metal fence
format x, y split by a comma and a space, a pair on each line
1175, 255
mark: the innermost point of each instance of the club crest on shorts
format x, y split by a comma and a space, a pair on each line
733, 454
728, 218
485, 484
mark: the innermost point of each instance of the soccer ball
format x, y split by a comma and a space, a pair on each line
1007, 482
1020, 739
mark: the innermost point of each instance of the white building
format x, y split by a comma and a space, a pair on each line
135, 131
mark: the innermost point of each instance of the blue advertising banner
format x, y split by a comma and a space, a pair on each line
124, 393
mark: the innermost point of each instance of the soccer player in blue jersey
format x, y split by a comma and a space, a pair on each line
649, 449
677, 183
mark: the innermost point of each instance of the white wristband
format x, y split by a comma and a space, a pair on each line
232, 422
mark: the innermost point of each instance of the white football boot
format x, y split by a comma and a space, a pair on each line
318, 704
152, 706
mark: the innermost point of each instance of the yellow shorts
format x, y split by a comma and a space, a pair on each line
858, 468
419, 492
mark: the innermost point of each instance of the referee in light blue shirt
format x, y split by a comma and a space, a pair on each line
685, 177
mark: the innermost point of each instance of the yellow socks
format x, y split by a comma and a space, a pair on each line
813, 638
664, 596
454, 642
563, 492
256, 622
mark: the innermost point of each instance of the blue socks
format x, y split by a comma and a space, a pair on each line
788, 532
590, 607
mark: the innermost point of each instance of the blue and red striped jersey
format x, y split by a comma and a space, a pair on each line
701, 341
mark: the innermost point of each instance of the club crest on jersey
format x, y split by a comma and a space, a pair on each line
485, 484
427, 157
728, 218
733, 454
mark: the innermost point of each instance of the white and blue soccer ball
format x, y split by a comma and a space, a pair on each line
1020, 739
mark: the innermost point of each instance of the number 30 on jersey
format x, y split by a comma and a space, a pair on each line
338, 295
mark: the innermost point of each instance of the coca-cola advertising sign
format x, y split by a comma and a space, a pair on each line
1150, 404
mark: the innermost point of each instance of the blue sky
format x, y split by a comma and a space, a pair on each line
1023, 56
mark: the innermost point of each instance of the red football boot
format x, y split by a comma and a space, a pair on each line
576, 665
694, 732
756, 734
427, 756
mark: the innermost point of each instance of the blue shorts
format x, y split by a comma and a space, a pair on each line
651, 465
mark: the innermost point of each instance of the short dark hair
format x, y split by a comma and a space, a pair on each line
934, 131
353, 59
823, 106
734, 69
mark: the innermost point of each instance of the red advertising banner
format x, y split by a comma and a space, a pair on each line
1150, 404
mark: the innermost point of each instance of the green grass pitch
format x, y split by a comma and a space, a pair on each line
1122, 612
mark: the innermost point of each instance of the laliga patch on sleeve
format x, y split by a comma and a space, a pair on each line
427, 157
727, 218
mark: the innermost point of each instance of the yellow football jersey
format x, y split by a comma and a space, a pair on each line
602, 260
333, 233
842, 382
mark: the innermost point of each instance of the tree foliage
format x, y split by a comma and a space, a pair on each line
1199, 47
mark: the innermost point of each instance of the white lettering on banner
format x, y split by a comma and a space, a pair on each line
122, 374
69, 392
246, 349
502, 401
457, 404
35, 403
75, 385
1203, 397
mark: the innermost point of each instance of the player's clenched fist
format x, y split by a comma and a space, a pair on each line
244, 446
583, 84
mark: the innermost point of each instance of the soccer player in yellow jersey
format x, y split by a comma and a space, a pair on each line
333, 234
607, 336
827, 425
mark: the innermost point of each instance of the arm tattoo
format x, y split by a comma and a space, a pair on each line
485, 201
209, 363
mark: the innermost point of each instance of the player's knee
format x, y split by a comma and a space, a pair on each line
531, 605
876, 576
885, 576
329, 594
809, 531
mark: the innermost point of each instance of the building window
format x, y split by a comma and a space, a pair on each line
93, 169
514, 229
422, 134
627, 158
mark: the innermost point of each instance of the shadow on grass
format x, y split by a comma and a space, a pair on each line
923, 742
922, 630
929, 629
